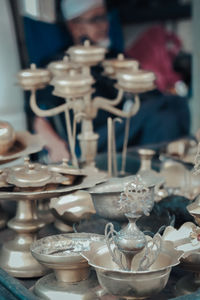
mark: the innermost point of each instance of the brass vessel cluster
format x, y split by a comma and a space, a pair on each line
129, 264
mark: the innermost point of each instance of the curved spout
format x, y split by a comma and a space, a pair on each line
45, 113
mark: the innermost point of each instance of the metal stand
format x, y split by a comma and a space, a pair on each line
15, 255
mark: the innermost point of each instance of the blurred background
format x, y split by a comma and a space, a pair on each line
162, 35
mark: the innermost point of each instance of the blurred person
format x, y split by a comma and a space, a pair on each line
86, 19
160, 118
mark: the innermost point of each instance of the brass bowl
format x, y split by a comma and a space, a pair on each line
62, 254
132, 284
106, 197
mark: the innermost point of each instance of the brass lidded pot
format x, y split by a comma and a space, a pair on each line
119, 64
73, 84
32, 175
33, 78
61, 67
136, 81
86, 54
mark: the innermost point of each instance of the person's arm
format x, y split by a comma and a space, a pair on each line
56, 147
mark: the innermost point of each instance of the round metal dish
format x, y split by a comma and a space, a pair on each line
62, 254
132, 284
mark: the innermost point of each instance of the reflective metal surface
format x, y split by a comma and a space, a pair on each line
73, 207
49, 288
105, 197
7, 137
25, 144
132, 284
62, 254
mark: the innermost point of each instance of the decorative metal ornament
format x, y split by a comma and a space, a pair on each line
135, 201
76, 87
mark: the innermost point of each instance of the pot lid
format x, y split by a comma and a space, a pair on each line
116, 185
86, 49
33, 72
61, 66
31, 175
121, 63
74, 79
64, 168
139, 76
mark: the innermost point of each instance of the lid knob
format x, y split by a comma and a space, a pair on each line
87, 43
33, 66
120, 56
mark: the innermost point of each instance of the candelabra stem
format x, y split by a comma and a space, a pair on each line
70, 138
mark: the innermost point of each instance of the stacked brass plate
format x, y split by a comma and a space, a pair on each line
119, 64
86, 54
62, 254
33, 78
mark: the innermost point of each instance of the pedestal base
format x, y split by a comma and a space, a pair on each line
187, 285
49, 288
16, 259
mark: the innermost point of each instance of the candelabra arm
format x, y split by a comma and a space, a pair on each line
98, 101
120, 113
45, 113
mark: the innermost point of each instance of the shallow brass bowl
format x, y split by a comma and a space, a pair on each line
62, 254
132, 284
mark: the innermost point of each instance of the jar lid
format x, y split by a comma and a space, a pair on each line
61, 66
64, 168
31, 175
136, 76
136, 81
33, 77
121, 63
86, 49
86, 54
